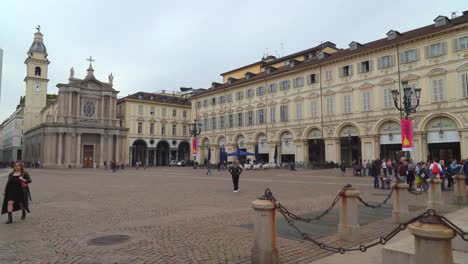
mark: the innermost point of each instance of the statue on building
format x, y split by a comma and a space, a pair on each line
111, 78
72, 73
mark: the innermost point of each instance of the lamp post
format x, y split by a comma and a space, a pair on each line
195, 130
406, 106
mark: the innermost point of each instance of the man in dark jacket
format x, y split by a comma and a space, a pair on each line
375, 172
235, 172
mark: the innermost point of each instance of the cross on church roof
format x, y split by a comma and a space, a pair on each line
38, 28
90, 59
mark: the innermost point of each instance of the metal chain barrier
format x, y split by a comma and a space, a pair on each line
430, 216
296, 217
415, 192
377, 205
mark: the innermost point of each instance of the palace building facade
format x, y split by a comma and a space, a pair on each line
77, 128
158, 126
330, 104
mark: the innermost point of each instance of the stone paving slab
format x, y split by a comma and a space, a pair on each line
173, 215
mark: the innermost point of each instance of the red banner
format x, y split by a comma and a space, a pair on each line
194, 146
407, 143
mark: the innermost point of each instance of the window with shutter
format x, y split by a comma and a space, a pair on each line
299, 111
330, 105
366, 101
272, 114
387, 97
328, 75
465, 84
438, 90
350, 70
341, 72
347, 104
313, 108
462, 43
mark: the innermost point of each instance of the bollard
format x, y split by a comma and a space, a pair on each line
265, 249
432, 241
349, 228
400, 213
435, 201
459, 191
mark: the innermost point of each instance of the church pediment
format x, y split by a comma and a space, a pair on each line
346, 89
89, 84
387, 81
313, 95
298, 98
366, 85
409, 78
464, 67
437, 71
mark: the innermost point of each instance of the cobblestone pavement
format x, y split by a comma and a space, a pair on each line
173, 215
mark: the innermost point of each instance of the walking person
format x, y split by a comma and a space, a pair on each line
15, 193
235, 172
343, 168
384, 167
411, 175
375, 172
208, 167
114, 166
452, 170
364, 168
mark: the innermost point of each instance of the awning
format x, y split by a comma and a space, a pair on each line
387, 140
445, 137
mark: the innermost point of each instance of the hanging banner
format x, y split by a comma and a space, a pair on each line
194, 146
407, 135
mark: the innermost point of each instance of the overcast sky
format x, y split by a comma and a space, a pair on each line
156, 45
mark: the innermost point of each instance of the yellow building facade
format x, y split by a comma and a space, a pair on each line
329, 104
158, 128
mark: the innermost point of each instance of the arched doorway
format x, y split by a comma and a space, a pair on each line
204, 150
287, 147
242, 145
390, 141
350, 145
316, 146
263, 149
443, 139
183, 151
162, 153
139, 152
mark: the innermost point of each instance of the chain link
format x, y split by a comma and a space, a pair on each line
290, 218
377, 205
296, 217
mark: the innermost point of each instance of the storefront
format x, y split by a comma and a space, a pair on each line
263, 149
443, 139
390, 141
350, 145
316, 146
287, 148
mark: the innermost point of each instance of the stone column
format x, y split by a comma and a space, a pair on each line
60, 148
435, 200
102, 107
101, 151
78, 105
305, 152
432, 240
130, 156
78, 150
349, 228
68, 149
70, 104
400, 213
147, 156
264, 250
118, 155
459, 191
110, 143
338, 157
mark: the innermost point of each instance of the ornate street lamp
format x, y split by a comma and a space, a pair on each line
195, 129
407, 106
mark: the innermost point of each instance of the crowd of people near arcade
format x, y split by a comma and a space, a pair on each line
415, 174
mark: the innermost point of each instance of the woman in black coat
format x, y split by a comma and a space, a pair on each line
16, 193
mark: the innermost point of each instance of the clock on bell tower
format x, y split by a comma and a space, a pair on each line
36, 82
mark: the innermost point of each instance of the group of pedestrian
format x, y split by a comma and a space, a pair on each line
17, 194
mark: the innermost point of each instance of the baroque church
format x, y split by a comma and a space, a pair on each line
80, 127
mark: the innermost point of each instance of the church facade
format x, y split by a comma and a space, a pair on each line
78, 129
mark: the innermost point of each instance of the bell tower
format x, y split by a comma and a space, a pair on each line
36, 81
